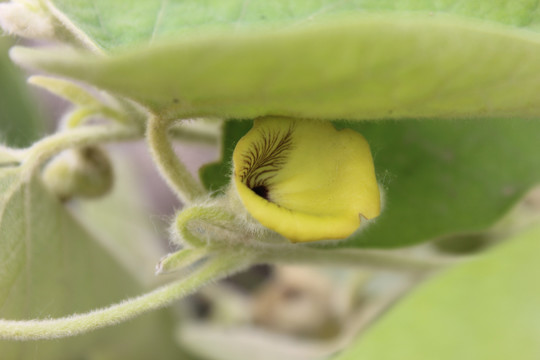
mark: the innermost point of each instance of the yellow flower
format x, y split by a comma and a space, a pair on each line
304, 179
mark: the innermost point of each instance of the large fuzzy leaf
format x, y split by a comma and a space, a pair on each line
483, 310
50, 267
361, 67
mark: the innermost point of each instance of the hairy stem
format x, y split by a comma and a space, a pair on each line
82, 136
70, 33
180, 259
371, 259
223, 224
208, 134
171, 168
214, 269
210, 215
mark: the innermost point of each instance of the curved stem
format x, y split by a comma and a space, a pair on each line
171, 168
211, 215
77, 116
214, 269
372, 259
272, 252
71, 33
201, 134
88, 135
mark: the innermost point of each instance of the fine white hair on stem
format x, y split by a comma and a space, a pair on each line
75, 324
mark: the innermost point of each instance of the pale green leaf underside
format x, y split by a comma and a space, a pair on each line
50, 266
484, 310
113, 24
355, 68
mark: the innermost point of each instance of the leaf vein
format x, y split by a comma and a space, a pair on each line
159, 17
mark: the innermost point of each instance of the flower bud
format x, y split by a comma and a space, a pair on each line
28, 19
304, 179
85, 172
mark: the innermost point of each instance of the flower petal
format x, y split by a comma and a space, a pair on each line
304, 179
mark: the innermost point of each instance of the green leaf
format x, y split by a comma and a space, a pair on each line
50, 266
483, 310
129, 23
19, 122
217, 175
416, 66
439, 177
443, 177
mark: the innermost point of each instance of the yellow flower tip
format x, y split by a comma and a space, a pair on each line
304, 179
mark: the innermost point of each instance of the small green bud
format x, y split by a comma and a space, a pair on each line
84, 172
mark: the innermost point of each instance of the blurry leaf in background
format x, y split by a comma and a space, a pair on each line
444, 177
50, 267
217, 175
483, 310
440, 177
19, 121
130, 235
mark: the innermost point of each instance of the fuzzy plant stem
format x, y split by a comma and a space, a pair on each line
85, 135
202, 134
370, 259
216, 268
171, 168
211, 216
280, 253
